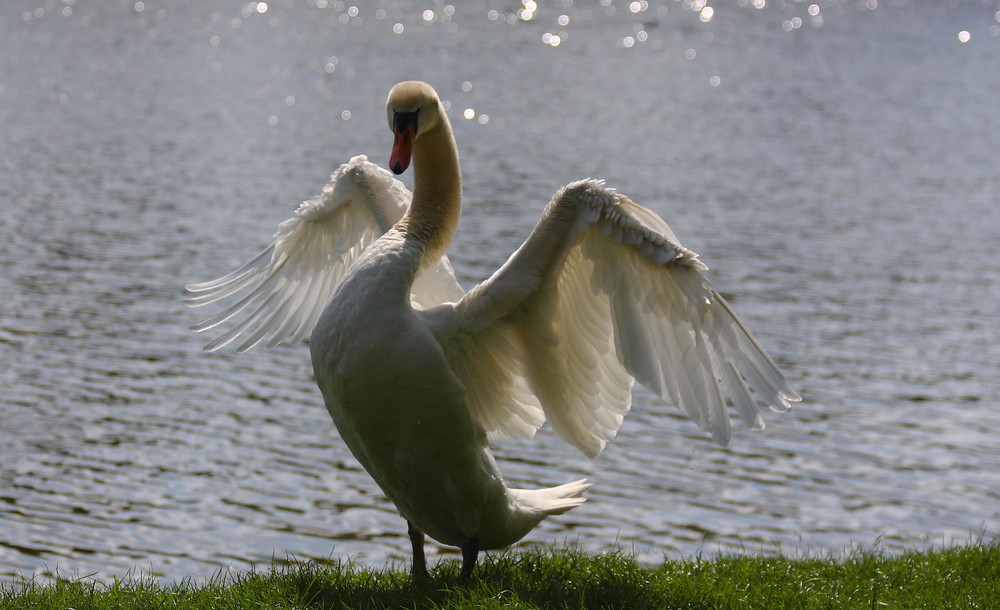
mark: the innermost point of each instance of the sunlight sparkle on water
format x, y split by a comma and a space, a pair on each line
964, 36
528, 12
792, 24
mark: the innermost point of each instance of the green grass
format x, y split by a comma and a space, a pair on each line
963, 577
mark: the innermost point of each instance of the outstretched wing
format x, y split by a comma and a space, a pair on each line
600, 295
282, 291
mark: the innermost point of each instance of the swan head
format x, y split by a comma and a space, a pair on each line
413, 108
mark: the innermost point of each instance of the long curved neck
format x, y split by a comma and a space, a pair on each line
437, 191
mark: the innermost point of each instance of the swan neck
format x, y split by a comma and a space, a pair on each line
437, 190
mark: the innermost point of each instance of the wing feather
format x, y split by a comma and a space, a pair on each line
601, 295
282, 291
491, 368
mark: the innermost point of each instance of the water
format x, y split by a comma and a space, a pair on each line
838, 173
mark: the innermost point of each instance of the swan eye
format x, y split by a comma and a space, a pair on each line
399, 120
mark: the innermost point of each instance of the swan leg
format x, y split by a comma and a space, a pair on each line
419, 569
470, 553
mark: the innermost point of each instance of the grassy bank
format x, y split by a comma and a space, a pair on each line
966, 577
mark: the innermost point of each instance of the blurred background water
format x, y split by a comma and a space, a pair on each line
835, 163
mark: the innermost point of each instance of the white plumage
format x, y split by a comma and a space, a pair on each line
284, 289
418, 375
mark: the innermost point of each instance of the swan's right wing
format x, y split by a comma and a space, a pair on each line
281, 293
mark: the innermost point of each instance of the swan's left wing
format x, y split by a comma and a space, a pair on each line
600, 295
280, 294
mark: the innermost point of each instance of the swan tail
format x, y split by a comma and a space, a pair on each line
509, 522
551, 500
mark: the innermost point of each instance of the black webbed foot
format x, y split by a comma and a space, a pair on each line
470, 553
418, 570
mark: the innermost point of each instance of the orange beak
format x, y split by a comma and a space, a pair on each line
404, 129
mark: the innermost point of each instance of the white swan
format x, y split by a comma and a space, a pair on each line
419, 375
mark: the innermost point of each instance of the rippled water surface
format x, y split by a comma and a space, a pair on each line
834, 163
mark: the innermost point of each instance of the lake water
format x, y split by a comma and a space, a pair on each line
836, 164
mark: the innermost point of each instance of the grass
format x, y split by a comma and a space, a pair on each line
962, 577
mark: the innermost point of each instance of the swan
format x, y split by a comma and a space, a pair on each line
420, 376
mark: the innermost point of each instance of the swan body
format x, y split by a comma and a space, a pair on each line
419, 376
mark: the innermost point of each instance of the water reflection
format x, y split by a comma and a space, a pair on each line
828, 174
